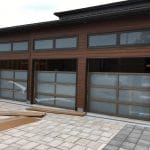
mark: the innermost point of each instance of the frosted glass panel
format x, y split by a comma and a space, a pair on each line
17, 46
20, 96
21, 75
65, 102
136, 111
66, 77
102, 93
6, 94
70, 42
138, 37
102, 107
7, 74
102, 40
65, 90
43, 44
5, 47
45, 76
45, 100
5, 84
103, 79
46, 88
10, 87
134, 81
21, 85
135, 96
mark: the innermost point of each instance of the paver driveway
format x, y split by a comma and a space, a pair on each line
62, 132
131, 137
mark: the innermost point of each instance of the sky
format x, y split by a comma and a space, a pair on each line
18, 12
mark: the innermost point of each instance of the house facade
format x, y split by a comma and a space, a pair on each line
95, 59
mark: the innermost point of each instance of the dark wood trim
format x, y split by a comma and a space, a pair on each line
81, 82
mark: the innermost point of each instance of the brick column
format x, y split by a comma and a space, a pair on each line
81, 84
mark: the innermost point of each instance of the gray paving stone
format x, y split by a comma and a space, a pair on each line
116, 143
147, 129
118, 139
139, 128
111, 147
125, 132
132, 140
137, 131
147, 137
121, 136
134, 135
128, 145
141, 147
138, 138
128, 130
130, 126
144, 142
146, 133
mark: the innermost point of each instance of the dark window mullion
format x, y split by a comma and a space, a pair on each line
11, 46
54, 43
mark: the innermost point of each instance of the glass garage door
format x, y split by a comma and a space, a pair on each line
13, 84
134, 95
122, 94
102, 92
56, 88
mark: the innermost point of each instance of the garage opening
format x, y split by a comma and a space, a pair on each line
13, 79
119, 87
55, 82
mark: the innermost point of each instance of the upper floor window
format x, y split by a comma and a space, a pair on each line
43, 44
100, 40
55, 43
20, 46
5, 47
135, 37
66, 42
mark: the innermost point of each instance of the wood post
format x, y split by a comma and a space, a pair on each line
81, 84
30, 90
30, 81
